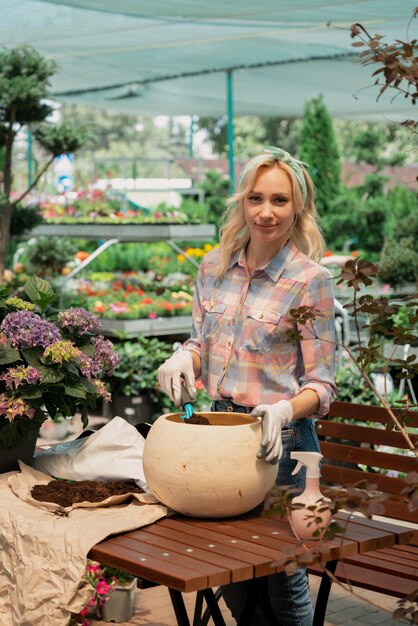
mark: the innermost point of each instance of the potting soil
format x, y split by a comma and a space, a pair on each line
66, 493
197, 419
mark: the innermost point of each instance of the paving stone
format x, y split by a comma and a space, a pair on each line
348, 614
153, 608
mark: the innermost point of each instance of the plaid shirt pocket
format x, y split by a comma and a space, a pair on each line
259, 329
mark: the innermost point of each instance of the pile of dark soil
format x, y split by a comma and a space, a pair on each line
197, 419
66, 493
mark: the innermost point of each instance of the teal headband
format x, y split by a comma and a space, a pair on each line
280, 155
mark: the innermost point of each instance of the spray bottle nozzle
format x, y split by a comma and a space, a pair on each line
310, 460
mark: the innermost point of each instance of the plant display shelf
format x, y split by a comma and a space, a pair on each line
180, 324
126, 232
111, 234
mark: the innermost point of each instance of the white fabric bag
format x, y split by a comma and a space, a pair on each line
112, 453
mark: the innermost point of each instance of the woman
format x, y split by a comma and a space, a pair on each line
266, 265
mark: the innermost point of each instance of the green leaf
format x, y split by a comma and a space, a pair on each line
31, 393
36, 287
88, 349
9, 355
84, 416
40, 292
88, 386
33, 356
71, 368
75, 391
49, 375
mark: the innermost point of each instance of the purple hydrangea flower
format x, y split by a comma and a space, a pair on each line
27, 330
10, 407
104, 357
79, 318
16, 376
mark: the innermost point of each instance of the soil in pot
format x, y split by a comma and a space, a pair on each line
67, 493
197, 419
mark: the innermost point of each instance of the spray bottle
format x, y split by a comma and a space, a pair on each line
309, 523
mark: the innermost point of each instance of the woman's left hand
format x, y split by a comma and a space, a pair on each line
273, 418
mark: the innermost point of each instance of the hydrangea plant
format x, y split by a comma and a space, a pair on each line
51, 362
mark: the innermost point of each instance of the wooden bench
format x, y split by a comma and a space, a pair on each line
354, 440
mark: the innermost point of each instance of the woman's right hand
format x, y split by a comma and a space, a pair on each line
176, 372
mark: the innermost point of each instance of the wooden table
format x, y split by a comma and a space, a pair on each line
189, 554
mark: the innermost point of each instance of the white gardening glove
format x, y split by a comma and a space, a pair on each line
175, 373
273, 418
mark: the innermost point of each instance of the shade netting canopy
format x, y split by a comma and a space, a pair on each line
149, 57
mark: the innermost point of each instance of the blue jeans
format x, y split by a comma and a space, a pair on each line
289, 595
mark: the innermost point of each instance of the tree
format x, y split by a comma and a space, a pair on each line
24, 83
369, 145
318, 148
252, 133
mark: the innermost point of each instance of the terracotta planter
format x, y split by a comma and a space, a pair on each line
210, 470
120, 605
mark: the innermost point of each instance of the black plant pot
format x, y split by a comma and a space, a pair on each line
134, 409
24, 451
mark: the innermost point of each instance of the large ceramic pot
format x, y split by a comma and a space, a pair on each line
207, 470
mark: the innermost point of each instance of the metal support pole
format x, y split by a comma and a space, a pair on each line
191, 135
29, 158
230, 113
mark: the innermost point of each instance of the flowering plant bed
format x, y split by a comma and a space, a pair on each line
127, 217
134, 295
94, 205
51, 362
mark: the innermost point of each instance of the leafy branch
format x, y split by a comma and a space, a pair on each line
358, 273
397, 62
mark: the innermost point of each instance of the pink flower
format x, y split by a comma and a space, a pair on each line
152, 315
117, 308
102, 588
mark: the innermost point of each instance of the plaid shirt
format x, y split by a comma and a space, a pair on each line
240, 323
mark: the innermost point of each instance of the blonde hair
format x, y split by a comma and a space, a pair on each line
305, 232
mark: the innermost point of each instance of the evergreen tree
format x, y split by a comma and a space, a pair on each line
24, 82
318, 148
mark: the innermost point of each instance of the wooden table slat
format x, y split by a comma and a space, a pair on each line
240, 563
222, 534
395, 555
162, 572
400, 586
402, 535
239, 527
205, 560
367, 537
411, 550
164, 552
383, 561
